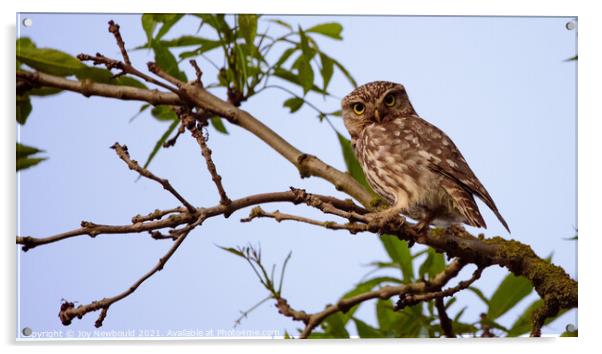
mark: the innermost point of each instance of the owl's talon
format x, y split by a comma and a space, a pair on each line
385, 219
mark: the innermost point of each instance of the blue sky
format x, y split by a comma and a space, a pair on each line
499, 87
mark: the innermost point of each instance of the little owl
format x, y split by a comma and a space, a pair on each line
409, 162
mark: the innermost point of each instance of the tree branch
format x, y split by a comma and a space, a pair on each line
150, 222
68, 310
444, 320
197, 134
122, 152
413, 299
313, 320
258, 212
308, 165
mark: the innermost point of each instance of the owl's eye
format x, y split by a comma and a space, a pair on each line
389, 100
359, 108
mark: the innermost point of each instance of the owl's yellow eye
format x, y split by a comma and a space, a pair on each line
359, 108
389, 100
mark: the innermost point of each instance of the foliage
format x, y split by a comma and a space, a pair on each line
26, 156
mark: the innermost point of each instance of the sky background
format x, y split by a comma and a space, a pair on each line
499, 87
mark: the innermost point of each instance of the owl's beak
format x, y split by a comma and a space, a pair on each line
377, 115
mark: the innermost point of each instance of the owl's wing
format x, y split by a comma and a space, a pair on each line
445, 158
464, 201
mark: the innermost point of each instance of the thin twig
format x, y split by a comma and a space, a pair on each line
198, 72
156, 215
412, 299
258, 212
68, 310
206, 151
245, 314
123, 154
294, 196
114, 28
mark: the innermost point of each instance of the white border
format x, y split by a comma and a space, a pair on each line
588, 147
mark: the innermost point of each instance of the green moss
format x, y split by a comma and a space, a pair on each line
438, 231
551, 282
377, 203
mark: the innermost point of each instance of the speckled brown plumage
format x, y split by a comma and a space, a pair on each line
410, 162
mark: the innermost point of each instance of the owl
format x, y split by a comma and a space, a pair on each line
409, 162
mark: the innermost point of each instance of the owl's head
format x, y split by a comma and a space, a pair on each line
374, 103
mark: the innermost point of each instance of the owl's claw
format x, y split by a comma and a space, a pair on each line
380, 220
422, 227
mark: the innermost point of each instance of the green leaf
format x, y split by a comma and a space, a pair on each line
44, 91
164, 113
218, 23
326, 70
385, 315
143, 108
28, 162
160, 142
248, 26
206, 45
233, 251
25, 150
353, 166
523, 323
480, 294
345, 72
305, 71
459, 314
332, 30
411, 322
399, 252
151, 21
290, 77
281, 23
432, 265
166, 61
23, 42
23, 108
363, 287
463, 328
449, 303
104, 76
241, 60
335, 326
306, 75
24, 157
285, 55
294, 103
218, 124
149, 24
512, 290
364, 330
168, 20
185, 41
50, 61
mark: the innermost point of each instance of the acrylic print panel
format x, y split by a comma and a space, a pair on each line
105, 253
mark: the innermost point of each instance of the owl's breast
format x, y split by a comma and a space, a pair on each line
394, 167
